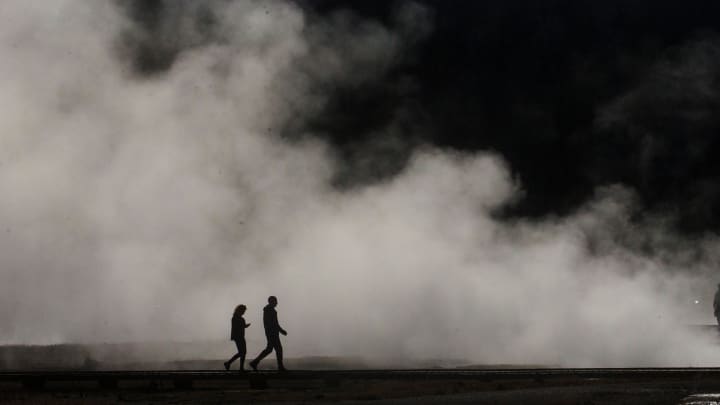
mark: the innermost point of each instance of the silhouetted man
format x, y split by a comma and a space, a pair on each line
272, 333
716, 304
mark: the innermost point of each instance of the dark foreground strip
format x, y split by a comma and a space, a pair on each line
430, 374
185, 380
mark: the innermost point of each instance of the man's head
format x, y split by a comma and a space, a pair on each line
272, 300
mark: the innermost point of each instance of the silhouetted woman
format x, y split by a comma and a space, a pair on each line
237, 334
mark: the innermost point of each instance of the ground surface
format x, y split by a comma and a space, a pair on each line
117, 374
555, 386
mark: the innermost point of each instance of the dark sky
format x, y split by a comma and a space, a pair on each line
574, 94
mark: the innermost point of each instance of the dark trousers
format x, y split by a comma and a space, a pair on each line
273, 343
241, 352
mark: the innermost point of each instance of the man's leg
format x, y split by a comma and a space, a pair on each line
279, 353
262, 355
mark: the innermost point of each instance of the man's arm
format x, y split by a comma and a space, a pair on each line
279, 328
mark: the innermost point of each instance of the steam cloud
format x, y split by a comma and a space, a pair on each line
139, 207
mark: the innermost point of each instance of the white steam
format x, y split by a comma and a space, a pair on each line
145, 209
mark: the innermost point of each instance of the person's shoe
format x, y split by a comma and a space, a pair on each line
227, 366
282, 369
254, 365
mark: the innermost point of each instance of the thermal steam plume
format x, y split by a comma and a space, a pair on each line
143, 200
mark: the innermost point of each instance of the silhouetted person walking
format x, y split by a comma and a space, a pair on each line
716, 304
237, 334
272, 333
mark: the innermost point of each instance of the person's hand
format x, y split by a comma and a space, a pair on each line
284, 333
248, 325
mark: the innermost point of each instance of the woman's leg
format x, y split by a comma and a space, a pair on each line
235, 356
242, 351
